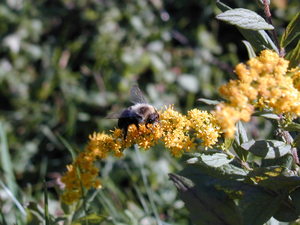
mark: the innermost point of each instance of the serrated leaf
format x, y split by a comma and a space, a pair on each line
208, 101
216, 159
245, 19
267, 149
291, 32
294, 56
250, 50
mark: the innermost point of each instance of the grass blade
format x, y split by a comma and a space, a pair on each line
68, 146
6, 163
46, 211
10, 194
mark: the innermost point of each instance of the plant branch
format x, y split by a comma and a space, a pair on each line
273, 32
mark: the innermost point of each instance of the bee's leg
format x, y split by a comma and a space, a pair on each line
146, 125
125, 132
137, 125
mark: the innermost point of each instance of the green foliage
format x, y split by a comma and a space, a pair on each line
64, 65
245, 19
291, 32
267, 149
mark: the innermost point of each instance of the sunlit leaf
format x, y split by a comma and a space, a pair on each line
245, 19
250, 50
259, 40
216, 159
268, 149
208, 101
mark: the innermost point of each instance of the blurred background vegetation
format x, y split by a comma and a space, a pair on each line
65, 64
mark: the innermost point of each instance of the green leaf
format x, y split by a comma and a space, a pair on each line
90, 219
258, 206
268, 149
209, 199
286, 212
240, 138
285, 161
295, 196
245, 19
241, 133
208, 101
250, 50
68, 146
274, 178
291, 32
222, 6
216, 159
267, 115
294, 56
292, 127
207, 205
6, 164
228, 171
259, 40
10, 195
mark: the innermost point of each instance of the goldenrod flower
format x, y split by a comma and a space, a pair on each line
176, 127
179, 134
205, 126
81, 174
263, 82
296, 77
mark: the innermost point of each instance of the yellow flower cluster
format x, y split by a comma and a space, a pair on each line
81, 174
177, 132
175, 128
263, 82
205, 126
296, 77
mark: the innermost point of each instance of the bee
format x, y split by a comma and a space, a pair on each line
139, 113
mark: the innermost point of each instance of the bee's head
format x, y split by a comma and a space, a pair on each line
153, 118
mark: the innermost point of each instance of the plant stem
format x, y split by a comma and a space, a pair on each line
273, 32
289, 140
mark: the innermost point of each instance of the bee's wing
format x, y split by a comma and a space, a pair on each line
136, 95
123, 114
113, 115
